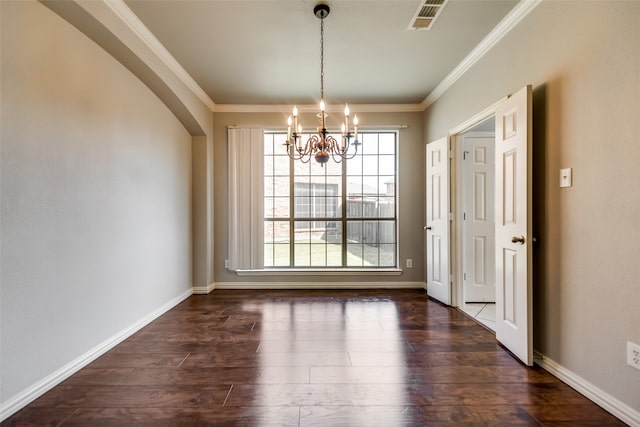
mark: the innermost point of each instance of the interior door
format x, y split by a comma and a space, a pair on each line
437, 228
513, 225
478, 218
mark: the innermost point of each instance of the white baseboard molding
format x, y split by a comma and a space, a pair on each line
22, 399
204, 290
600, 397
320, 285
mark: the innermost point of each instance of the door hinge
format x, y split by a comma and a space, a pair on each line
464, 155
451, 154
464, 216
450, 216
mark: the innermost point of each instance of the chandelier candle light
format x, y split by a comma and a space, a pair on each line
322, 145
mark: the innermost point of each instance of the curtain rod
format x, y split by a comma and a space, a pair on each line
361, 128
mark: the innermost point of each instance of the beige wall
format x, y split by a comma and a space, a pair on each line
95, 193
411, 182
583, 59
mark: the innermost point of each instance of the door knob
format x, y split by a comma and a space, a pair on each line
518, 239
427, 227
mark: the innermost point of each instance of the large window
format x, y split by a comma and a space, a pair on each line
339, 215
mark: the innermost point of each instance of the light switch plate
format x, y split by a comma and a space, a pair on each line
566, 177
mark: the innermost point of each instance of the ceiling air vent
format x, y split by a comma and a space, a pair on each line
427, 13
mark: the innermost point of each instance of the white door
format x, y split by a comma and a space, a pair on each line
478, 226
437, 228
513, 225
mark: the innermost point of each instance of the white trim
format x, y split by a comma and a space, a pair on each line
477, 118
36, 390
320, 272
134, 23
204, 290
319, 285
600, 397
517, 14
313, 108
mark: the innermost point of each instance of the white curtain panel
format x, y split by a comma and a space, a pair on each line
246, 188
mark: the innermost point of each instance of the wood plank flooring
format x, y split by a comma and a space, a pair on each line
311, 358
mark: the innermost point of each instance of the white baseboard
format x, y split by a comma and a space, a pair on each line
22, 399
320, 285
600, 397
203, 290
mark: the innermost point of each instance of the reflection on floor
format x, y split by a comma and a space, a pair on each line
483, 312
311, 358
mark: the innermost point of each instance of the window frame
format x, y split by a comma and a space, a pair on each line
344, 219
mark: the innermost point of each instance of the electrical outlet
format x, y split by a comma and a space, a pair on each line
633, 355
566, 177
409, 263
226, 263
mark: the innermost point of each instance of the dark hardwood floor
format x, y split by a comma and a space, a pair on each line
311, 358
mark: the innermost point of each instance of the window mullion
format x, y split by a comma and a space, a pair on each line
344, 213
292, 213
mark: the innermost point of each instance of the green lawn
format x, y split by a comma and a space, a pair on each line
319, 253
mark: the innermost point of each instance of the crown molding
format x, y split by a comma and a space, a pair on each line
137, 26
313, 108
517, 14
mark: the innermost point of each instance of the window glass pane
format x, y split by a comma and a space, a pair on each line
334, 232
354, 231
281, 255
354, 207
302, 243
268, 186
268, 208
386, 207
387, 165
268, 165
370, 232
386, 186
301, 169
281, 165
387, 143
333, 168
370, 143
318, 254
334, 186
387, 255
334, 255
281, 186
354, 166
370, 207
387, 232
370, 185
268, 255
280, 207
281, 232
370, 165
354, 255
268, 144
371, 256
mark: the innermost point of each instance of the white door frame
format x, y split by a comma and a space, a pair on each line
457, 291
460, 222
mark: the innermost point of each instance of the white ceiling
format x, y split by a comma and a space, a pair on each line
268, 51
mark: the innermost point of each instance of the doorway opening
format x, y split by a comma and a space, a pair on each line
474, 227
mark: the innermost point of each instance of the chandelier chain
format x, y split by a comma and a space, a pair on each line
321, 59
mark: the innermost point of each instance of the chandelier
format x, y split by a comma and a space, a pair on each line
321, 145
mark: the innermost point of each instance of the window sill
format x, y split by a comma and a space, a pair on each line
322, 272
